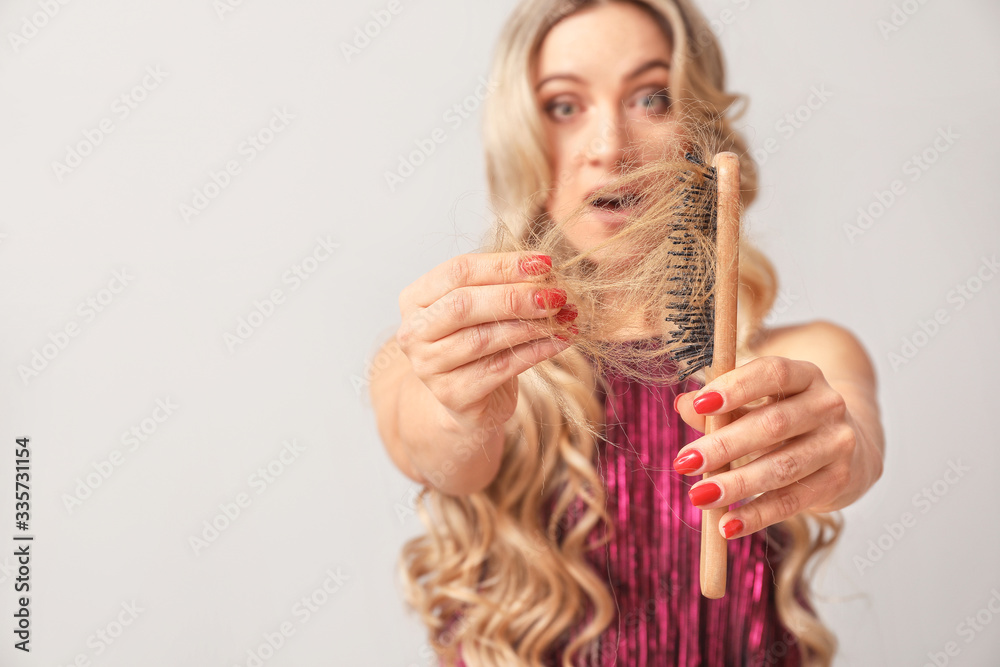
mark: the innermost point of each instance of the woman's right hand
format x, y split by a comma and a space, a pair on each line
469, 329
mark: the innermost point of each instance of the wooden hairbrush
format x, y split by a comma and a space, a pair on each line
707, 330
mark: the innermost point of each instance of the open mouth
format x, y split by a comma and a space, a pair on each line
616, 203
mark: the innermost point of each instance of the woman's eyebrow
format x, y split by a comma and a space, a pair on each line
571, 77
657, 62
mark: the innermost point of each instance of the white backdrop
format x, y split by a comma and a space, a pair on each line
199, 253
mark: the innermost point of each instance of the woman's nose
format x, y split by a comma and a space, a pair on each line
607, 141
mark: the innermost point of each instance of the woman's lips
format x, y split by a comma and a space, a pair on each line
612, 215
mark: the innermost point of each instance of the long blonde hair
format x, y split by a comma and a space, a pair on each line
502, 572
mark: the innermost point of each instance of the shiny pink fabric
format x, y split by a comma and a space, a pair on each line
652, 563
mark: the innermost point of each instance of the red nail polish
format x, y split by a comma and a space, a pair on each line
567, 314
732, 527
536, 264
678, 400
573, 329
704, 494
689, 462
550, 298
709, 402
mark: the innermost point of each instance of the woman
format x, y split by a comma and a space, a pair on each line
524, 385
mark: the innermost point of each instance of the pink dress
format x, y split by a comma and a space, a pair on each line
652, 564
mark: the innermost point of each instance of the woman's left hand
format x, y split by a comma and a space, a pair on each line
805, 449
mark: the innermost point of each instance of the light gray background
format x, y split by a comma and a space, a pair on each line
340, 505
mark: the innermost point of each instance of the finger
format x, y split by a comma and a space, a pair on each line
683, 405
778, 505
766, 376
473, 343
470, 306
758, 428
481, 377
472, 269
783, 464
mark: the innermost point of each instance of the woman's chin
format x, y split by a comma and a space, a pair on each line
616, 256
597, 242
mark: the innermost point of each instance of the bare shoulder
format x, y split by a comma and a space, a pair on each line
836, 350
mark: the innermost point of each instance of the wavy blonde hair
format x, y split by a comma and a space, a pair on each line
502, 572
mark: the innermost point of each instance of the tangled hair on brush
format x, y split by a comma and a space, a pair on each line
502, 572
654, 272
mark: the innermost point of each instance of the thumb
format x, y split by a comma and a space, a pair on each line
684, 406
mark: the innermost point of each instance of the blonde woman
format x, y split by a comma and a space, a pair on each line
524, 388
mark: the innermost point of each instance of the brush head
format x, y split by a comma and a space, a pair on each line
689, 271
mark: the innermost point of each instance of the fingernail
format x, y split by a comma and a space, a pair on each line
709, 402
732, 527
562, 338
689, 462
567, 314
536, 264
678, 400
704, 494
550, 298
573, 329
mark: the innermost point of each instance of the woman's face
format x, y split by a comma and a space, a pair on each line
602, 84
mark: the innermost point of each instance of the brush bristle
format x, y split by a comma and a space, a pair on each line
694, 321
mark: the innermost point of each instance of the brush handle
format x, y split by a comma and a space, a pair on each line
727, 281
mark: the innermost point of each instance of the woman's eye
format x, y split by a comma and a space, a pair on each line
562, 109
656, 103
